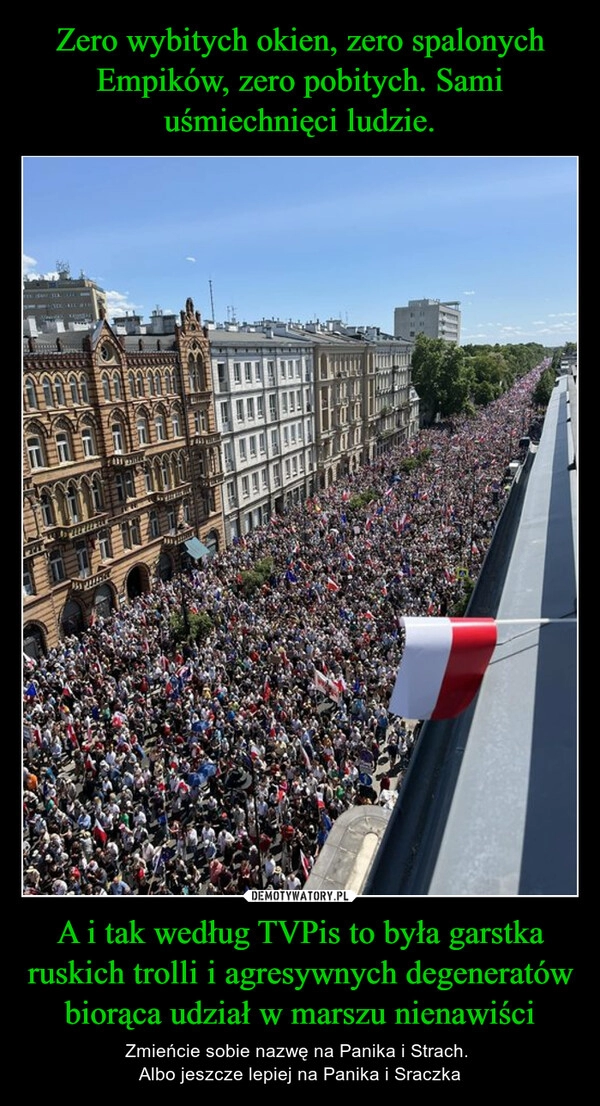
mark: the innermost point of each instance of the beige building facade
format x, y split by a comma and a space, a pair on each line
122, 468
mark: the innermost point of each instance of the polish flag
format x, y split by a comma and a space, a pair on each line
442, 666
331, 584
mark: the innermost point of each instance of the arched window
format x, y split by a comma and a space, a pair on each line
63, 447
116, 380
131, 383
59, 392
97, 497
85, 395
176, 423
139, 380
158, 384
89, 443
47, 509
117, 437
150, 384
148, 481
30, 393
165, 474
169, 381
57, 568
35, 452
159, 426
74, 389
142, 429
73, 503
47, 389
154, 526
105, 386
181, 468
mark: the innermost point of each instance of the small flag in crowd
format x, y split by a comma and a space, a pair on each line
331, 584
442, 666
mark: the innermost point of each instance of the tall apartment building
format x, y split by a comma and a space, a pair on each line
264, 413
66, 301
122, 470
433, 318
361, 388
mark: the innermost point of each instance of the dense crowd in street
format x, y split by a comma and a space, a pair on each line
221, 766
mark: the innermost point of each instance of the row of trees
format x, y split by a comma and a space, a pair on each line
453, 380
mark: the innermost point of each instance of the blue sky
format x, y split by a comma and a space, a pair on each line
317, 237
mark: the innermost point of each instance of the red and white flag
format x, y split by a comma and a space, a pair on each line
331, 584
442, 666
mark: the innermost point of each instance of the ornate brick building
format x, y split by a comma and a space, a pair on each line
122, 468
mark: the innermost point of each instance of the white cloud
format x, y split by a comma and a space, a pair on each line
190, 259
118, 303
468, 293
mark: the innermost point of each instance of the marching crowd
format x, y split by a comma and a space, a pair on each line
220, 766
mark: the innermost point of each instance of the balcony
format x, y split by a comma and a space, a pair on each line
88, 583
33, 546
77, 529
213, 479
178, 538
212, 438
126, 460
169, 495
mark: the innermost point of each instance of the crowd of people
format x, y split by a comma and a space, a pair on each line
218, 766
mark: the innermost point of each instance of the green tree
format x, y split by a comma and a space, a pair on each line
440, 377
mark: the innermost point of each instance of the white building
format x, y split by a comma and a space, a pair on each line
264, 406
433, 318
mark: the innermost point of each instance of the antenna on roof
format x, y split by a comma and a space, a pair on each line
212, 302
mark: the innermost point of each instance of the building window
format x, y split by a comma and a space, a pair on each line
104, 545
117, 386
237, 372
125, 535
228, 454
83, 562
28, 587
258, 371
159, 426
142, 430
63, 447
248, 372
85, 395
282, 369
165, 474
250, 408
225, 416
253, 445
187, 513
117, 437
272, 406
255, 483
172, 520
74, 390
105, 386
35, 453
245, 487
57, 568
47, 509
262, 443
59, 392
276, 476
231, 494
154, 525
286, 437
176, 424
287, 469
263, 473
158, 384
260, 407
47, 390
284, 403
73, 503
139, 385
271, 372
136, 536
97, 497
30, 394
242, 448
89, 445
239, 410
148, 481
274, 441
125, 486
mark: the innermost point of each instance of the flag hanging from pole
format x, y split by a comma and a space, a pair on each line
442, 666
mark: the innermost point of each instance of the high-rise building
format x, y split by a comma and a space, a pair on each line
122, 470
433, 318
63, 301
